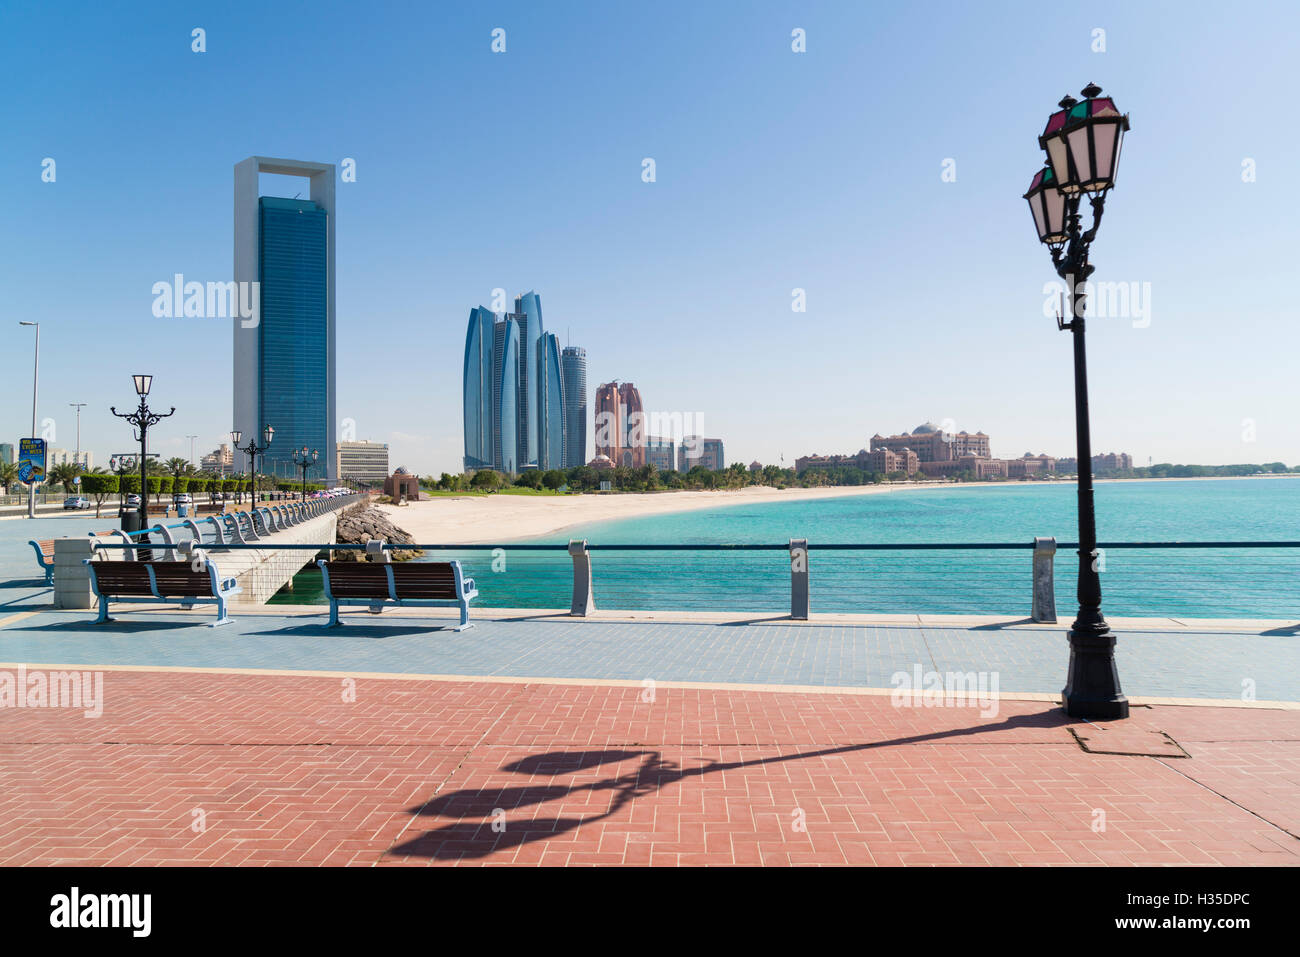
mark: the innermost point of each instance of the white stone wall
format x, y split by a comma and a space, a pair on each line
263, 572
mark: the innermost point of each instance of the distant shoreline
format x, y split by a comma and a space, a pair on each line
493, 519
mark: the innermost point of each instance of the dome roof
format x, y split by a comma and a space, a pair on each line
401, 470
925, 428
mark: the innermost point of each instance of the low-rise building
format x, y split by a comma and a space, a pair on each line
660, 452
220, 460
365, 463
697, 451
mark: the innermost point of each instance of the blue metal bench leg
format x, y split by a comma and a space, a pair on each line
464, 617
49, 575
334, 615
103, 612
222, 617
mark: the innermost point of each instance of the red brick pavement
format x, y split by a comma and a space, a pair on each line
284, 770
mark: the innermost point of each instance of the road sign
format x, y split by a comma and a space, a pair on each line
31, 461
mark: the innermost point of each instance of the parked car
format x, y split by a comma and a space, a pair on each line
133, 500
183, 498
76, 501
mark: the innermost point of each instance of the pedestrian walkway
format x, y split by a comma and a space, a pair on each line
1208, 662
203, 768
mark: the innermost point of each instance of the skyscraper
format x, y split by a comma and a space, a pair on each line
479, 372
550, 412
620, 424
514, 390
573, 370
505, 395
284, 360
528, 314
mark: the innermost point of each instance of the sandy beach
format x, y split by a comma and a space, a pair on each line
483, 519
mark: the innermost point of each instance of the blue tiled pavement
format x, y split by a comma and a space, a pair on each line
1155, 664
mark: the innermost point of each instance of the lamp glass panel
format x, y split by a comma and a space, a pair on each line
1079, 153
1056, 155
1104, 137
1036, 207
1054, 204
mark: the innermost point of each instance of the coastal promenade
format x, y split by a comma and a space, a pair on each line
534, 738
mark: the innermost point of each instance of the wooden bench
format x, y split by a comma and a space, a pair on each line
377, 584
45, 557
160, 582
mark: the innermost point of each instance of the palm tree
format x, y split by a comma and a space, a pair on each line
177, 466
8, 474
65, 474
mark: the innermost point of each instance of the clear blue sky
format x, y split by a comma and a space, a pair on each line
775, 170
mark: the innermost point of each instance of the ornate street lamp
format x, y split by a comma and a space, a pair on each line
304, 462
143, 419
1082, 142
253, 450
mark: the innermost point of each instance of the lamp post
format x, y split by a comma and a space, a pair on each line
304, 462
122, 464
1082, 141
36, 375
253, 450
143, 419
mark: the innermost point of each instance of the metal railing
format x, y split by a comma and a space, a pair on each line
242, 527
1146, 563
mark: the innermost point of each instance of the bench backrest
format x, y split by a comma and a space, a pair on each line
46, 545
121, 578
425, 579
357, 579
180, 580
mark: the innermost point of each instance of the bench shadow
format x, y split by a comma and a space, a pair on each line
116, 627
999, 625
1286, 631
354, 629
473, 839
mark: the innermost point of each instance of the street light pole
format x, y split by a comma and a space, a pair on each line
142, 418
304, 462
191, 438
1082, 142
77, 453
252, 450
36, 377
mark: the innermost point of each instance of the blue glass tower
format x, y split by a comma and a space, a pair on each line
505, 395
284, 353
551, 411
293, 371
528, 314
478, 390
514, 391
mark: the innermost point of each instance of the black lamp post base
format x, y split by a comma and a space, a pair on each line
1092, 688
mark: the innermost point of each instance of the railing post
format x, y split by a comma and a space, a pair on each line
167, 537
218, 528
799, 579
1044, 608
584, 598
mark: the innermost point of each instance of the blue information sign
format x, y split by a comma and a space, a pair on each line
31, 461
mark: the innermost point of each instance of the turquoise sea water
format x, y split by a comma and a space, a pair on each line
1262, 583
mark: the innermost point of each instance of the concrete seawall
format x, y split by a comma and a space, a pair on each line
263, 572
